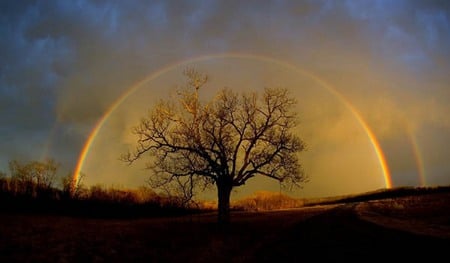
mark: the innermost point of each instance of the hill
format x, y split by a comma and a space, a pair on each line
377, 195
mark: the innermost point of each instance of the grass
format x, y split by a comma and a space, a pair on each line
333, 232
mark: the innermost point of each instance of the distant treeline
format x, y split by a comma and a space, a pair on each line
33, 188
95, 201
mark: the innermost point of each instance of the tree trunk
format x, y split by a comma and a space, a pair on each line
224, 191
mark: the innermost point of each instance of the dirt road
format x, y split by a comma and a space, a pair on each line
340, 235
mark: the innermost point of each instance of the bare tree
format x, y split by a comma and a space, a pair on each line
224, 143
34, 177
71, 187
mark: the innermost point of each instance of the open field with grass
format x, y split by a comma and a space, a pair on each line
406, 227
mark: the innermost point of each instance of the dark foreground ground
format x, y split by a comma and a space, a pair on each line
403, 229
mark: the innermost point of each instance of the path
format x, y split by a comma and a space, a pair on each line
339, 235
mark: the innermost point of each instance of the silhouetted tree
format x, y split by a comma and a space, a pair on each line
4, 183
35, 177
224, 143
72, 188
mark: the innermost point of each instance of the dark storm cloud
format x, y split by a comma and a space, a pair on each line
27, 83
64, 62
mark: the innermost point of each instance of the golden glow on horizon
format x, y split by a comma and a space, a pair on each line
132, 89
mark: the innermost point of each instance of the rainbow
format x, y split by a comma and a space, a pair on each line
154, 75
417, 156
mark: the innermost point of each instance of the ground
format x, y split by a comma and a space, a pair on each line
403, 228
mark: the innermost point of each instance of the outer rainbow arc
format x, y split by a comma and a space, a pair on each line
417, 156
101, 121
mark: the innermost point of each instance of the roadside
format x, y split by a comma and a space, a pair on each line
423, 215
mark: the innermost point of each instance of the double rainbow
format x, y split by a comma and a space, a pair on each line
154, 75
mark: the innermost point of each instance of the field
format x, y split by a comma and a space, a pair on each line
410, 227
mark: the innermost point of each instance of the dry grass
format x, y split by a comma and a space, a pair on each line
427, 214
194, 238
332, 232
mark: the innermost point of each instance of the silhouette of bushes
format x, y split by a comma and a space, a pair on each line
264, 200
31, 188
97, 201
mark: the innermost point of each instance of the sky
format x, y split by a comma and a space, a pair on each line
64, 65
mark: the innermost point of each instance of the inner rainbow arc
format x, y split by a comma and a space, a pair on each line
97, 127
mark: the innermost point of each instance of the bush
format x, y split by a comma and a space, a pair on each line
265, 200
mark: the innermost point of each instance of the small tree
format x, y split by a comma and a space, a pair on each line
224, 143
34, 177
72, 188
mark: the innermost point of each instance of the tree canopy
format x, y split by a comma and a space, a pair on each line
223, 142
